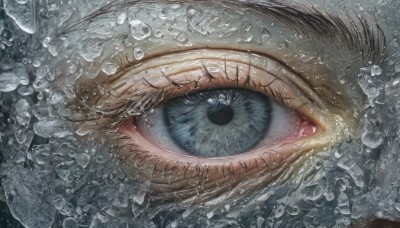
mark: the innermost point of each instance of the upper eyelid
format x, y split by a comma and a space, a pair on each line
355, 32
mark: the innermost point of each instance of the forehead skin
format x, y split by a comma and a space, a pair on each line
357, 182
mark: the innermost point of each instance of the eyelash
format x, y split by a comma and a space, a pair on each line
145, 95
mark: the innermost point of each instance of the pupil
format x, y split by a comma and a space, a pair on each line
220, 114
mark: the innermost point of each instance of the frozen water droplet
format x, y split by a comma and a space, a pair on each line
91, 49
83, 159
139, 197
36, 63
210, 214
260, 222
397, 67
392, 88
351, 167
121, 18
25, 90
202, 22
70, 223
63, 206
182, 38
313, 192
63, 170
265, 35
46, 42
8, 82
367, 84
50, 127
372, 138
293, 210
139, 30
23, 111
343, 204
248, 37
375, 70
174, 224
138, 53
109, 68
280, 211
23, 14
21, 73
227, 207
122, 199
21, 1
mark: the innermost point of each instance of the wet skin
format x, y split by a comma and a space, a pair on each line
107, 79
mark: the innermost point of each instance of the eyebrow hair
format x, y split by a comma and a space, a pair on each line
357, 33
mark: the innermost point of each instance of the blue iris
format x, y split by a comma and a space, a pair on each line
217, 123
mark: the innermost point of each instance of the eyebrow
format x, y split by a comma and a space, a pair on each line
357, 33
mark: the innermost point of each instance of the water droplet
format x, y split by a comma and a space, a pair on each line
343, 204
372, 138
121, 18
8, 82
265, 35
280, 211
24, 14
182, 38
248, 37
36, 63
392, 88
91, 49
109, 68
83, 159
375, 70
139, 30
70, 223
138, 53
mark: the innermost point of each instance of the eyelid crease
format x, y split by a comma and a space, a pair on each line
132, 75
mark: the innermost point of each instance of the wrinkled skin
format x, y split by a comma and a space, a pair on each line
81, 74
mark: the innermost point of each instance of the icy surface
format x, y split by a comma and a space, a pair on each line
61, 162
23, 13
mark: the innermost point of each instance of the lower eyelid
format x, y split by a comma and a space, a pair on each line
178, 172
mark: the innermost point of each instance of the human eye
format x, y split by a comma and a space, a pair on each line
195, 114
141, 108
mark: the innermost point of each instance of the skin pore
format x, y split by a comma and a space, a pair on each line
75, 153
